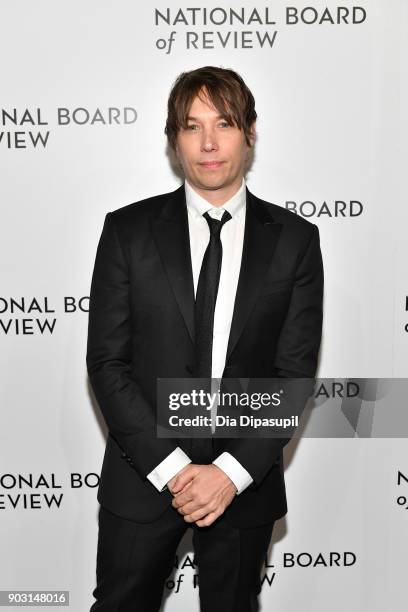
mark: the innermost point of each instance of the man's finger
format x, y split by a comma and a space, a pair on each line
184, 478
182, 497
208, 520
193, 506
192, 516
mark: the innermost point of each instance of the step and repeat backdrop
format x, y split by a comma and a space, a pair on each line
84, 87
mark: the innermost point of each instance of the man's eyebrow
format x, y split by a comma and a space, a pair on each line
219, 116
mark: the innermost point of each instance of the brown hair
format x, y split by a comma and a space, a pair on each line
226, 90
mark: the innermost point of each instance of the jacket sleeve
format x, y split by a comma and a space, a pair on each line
128, 415
296, 357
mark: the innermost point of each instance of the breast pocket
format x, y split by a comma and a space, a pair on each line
270, 287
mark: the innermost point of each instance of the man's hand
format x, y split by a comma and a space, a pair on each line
201, 493
171, 485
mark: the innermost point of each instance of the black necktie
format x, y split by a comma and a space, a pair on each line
206, 296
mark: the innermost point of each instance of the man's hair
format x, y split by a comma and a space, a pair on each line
226, 90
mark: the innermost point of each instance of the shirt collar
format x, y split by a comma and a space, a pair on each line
197, 205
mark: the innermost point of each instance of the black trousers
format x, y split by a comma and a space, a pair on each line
135, 559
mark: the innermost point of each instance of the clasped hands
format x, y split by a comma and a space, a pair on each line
201, 493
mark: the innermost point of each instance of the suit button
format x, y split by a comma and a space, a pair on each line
189, 369
123, 455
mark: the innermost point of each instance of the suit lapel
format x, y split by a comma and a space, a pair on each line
260, 239
171, 234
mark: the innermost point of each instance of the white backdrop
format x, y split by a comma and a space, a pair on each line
331, 100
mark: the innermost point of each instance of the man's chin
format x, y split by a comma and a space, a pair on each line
212, 184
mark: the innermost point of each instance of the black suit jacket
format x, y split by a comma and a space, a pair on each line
141, 327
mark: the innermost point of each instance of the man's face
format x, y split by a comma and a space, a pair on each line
212, 153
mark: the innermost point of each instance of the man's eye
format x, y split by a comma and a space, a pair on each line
192, 126
224, 124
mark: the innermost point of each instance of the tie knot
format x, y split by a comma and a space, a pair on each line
215, 225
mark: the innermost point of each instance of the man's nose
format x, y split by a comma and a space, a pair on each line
209, 140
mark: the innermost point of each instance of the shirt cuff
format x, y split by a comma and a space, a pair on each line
173, 463
235, 470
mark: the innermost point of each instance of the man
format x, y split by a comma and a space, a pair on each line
207, 280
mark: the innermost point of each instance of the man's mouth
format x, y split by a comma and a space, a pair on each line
210, 165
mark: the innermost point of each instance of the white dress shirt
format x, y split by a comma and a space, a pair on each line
232, 238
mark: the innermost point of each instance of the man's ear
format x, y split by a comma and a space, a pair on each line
176, 156
252, 133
